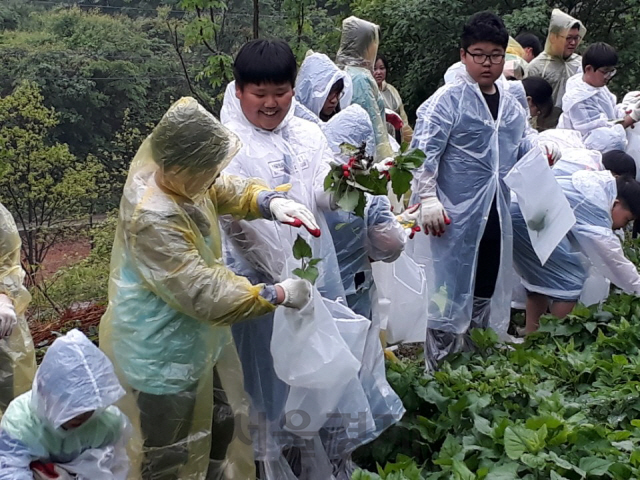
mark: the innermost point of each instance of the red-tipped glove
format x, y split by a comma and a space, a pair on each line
394, 119
295, 214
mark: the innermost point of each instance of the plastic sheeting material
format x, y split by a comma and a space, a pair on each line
74, 378
591, 242
633, 147
359, 241
316, 76
590, 111
550, 64
400, 305
543, 205
467, 156
576, 159
171, 298
17, 354
357, 54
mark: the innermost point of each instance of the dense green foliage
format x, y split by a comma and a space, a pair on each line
421, 37
563, 405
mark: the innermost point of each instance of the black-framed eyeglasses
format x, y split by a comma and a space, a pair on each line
608, 74
480, 58
338, 95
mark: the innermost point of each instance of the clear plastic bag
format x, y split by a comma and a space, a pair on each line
547, 212
307, 348
400, 300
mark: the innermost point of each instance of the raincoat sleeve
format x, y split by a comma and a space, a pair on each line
241, 197
15, 458
603, 248
385, 235
11, 272
586, 116
365, 94
168, 260
431, 135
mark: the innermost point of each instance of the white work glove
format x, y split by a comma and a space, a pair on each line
635, 111
49, 471
409, 220
433, 216
384, 166
630, 98
297, 293
8, 317
551, 151
293, 213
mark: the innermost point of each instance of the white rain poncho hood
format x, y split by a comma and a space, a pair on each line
550, 64
352, 126
191, 147
75, 377
358, 43
576, 159
316, 76
589, 110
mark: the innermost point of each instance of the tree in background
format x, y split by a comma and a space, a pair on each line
44, 186
421, 37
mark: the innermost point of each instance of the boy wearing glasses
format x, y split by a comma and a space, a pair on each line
559, 61
472, 132
589, 107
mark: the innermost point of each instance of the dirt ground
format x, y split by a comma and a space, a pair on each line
65, 254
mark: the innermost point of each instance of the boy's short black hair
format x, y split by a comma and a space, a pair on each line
484, 27
540, 91
530, 40
382, 58
629, 194
619, 163
265, 61
600, 55
575, 26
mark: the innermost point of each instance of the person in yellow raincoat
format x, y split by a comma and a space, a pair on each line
172, 299
17, 354
559, 61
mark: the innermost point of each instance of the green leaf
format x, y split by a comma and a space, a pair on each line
311, 274
349, 201
301, 249
514, 444
461, 471
534, 461
400, 180
482, 425
507, 471
556, 476
348, 149
314, 261
594, 465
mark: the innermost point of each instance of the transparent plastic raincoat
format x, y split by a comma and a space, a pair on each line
296, 154
357, 54
550, 64
172, 299
515, 65
467, 156
17, 354
589, 110
590, 242
316, 76
358, 241
576, 159
75, 378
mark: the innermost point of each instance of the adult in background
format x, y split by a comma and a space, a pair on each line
559, 61
391, 97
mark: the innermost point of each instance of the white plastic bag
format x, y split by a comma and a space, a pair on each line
400, 300
544, 206
633, 147
307, 348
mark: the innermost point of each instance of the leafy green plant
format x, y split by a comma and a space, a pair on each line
563, 405
348, 182
302, 251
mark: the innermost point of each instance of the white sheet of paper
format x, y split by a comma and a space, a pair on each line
544, 207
